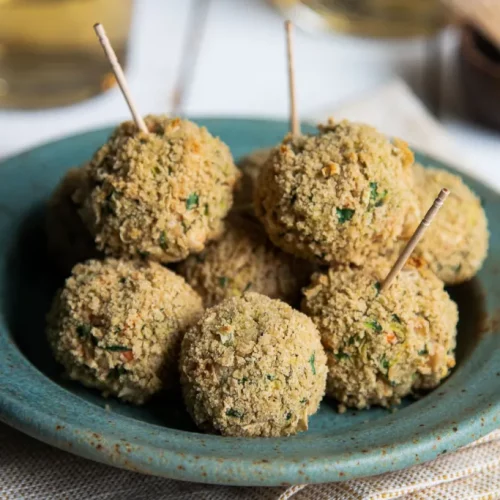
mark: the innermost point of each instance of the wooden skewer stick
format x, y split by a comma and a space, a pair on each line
294, 119
417, 235
120, 77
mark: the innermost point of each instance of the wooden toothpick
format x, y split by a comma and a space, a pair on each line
120, 77
294, 120
417, 235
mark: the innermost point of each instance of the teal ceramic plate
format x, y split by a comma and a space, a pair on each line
159, 437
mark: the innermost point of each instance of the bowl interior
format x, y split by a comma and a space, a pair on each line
161, 429
32, 280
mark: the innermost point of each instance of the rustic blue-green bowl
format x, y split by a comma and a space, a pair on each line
159, 437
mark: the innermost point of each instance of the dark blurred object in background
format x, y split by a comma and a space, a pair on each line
49, 55
480, 74
375, 18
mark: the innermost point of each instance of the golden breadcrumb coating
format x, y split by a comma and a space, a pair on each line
382, 347
245, 260
252, 366
250, 167
68, 240
117, 326
337, 197
456, 244
161, 195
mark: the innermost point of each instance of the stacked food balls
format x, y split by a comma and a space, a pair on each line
381, 348
349, 198
245, 260
147, 199
69, 241
143, 198
456, 247
250, 168
317, 224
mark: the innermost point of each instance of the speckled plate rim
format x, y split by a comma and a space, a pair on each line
464, 408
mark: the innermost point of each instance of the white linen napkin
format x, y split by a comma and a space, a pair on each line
395, 110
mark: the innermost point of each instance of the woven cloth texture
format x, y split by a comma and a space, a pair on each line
33, 470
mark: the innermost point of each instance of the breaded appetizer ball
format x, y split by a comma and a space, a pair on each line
382, 347
68, 240
245, 260
457, 245
337, 197
117, 326
250, 167
252, 366
161, 195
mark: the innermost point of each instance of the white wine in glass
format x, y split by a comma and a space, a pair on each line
371, 18
49, 55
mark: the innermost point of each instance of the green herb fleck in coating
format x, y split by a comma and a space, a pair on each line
311, 361
234, 413
83, 330
192, 201
223, 281
163, 240
143, 254
340, 355
374, 325
117, 348
344, 214
384, 363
